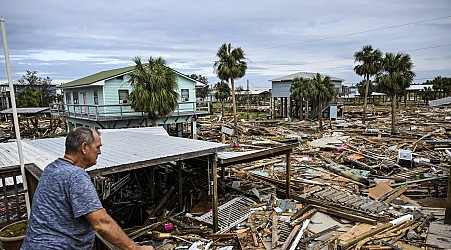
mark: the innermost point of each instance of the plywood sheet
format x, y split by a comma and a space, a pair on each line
380, 190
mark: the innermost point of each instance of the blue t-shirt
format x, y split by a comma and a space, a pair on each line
64, 195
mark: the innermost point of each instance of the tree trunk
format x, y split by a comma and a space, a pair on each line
394, 101
365, 100
153, 120
320, 113
307, 113
301, 109
235, 121
222, 107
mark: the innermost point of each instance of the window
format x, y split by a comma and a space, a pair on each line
185, 95
123, 96
75, 97
96, 97
68, 100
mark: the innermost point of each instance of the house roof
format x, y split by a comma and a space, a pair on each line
123, 149
306, 75
107, 74
96, 77
414, 87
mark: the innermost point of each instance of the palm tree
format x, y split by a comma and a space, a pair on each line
395, 77
231, 65
427, 94
370, 64
154, 88
239, 95
441, 85
300, 90
222, 93
322, 90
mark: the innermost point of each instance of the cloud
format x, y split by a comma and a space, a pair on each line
72, 39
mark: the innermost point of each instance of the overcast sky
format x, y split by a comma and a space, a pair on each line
70, 39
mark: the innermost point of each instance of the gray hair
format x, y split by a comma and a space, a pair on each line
77, 136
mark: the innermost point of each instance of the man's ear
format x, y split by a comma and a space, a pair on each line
84, 146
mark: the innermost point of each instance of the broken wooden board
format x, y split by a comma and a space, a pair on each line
355, 231
439, 236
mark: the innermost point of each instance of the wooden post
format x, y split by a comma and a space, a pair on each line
214, 204
180, 185
448, 202
288, 168
152, 183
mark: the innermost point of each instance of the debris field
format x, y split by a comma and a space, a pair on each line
353, 186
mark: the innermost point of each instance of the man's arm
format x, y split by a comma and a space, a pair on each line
110, 230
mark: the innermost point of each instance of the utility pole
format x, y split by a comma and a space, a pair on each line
247, 99
15, 117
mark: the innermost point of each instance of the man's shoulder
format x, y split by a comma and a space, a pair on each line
62, 168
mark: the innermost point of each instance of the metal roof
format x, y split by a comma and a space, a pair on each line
96, 77
122, 149
107, 74
305, 75
419, 87
27, 110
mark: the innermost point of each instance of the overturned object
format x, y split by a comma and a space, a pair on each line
347, 172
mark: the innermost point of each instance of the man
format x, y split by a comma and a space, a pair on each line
66, 209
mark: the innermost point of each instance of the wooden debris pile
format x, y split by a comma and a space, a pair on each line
34, 127
353, 186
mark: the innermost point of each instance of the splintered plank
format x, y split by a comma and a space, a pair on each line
438, 236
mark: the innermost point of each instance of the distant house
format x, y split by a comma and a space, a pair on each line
49, 94
281, 91
254, 97
412, 94
102, 101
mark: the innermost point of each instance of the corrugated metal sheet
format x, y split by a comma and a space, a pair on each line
230, 213
9, 155
439, 102
120, 147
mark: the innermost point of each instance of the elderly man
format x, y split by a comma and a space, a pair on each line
66, 209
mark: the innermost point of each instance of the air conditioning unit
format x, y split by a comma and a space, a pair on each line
123, 101
185, 99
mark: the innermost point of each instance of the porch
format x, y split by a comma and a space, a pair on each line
125, 112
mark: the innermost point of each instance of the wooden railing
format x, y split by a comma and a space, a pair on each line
12, 200
107, 112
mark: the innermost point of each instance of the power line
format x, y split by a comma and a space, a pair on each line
431, 47
350, 34
353, 33
345, 59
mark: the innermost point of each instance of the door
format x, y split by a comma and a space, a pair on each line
85, 106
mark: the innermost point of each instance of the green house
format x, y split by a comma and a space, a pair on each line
102, 101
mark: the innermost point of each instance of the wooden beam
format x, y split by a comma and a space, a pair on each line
448, 201
287, 178
180, 185
154, 162
214, 160
261, 154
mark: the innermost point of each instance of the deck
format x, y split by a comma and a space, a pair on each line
125, 112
